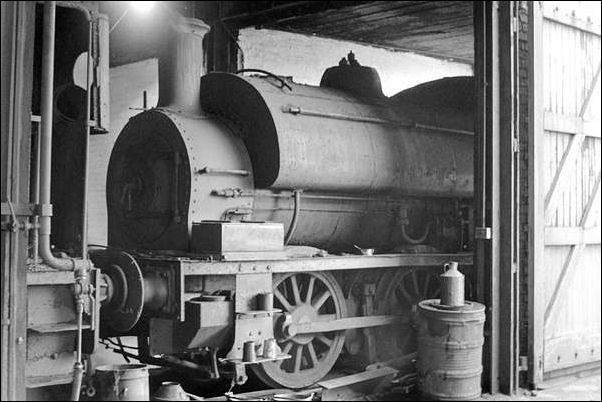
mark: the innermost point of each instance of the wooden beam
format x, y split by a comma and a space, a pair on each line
537, 273
570, 125
507, 201
570, 236
563, 174
594, 199
573, 23
572, 350
590, 91
569, 263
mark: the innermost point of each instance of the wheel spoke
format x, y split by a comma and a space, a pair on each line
285, 351
282, 300
405, 293
415, 282
295, 287
287, 347
310, 289
312, 355
322, 338
427, 280
316, 297
321, 300
298, 358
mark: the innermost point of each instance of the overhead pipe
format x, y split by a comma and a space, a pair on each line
62, 264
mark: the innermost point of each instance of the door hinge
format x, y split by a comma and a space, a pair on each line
523, 363
515, 145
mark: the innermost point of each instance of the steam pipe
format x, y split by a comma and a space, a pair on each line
62, 264
293, 226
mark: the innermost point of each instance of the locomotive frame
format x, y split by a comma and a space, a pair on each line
184, 323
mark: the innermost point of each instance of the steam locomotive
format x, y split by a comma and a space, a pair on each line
336, 201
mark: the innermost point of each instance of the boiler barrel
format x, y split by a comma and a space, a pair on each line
325, 139
450, 346
357, 162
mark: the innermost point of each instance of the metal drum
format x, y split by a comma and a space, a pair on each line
123, 382
450, 343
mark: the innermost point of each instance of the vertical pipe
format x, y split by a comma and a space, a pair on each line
35, 194
46, 105
84, 244
64, 264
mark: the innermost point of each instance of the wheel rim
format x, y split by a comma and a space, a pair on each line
306, 297
400, 293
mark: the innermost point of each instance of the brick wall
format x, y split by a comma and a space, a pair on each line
523, 77
301, 56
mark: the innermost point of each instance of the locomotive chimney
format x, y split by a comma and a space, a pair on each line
181, 65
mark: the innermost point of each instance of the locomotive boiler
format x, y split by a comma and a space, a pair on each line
241, 185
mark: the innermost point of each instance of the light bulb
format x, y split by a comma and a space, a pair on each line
142, 6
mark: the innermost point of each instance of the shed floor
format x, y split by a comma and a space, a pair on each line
586, 388
570, 389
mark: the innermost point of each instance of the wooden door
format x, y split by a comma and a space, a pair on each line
566, 212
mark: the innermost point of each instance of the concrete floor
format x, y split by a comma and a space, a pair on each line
570, 389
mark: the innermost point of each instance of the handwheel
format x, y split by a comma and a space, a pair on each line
305, 297
399, 293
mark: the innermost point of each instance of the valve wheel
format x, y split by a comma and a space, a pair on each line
304, 297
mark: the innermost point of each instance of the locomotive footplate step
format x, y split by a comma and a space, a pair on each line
256, 361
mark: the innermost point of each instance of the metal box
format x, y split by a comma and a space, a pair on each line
219, 237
